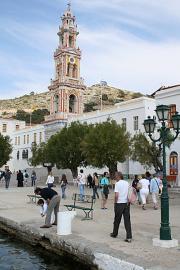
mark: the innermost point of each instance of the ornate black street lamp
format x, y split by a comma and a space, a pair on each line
162, 112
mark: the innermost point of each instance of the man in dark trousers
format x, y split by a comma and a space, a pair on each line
121, 207
7, 177
53, 201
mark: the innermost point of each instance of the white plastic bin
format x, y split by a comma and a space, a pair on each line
64, 222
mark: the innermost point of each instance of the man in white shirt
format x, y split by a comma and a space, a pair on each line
121, 207
81, 182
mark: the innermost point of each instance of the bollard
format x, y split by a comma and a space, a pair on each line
64, 222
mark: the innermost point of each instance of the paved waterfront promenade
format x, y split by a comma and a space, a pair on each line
94, 234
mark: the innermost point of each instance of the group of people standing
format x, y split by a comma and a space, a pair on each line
145, 185
23, 178
95, 183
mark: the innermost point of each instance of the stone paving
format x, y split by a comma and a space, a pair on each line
94, 234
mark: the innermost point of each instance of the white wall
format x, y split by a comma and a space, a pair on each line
16, 164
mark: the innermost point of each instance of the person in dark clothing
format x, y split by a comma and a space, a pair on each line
33, 178
135, 185
53, 201
7, 177
89, 180
20, 179
95, 184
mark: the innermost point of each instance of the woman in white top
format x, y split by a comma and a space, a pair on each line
144, 191
50, 180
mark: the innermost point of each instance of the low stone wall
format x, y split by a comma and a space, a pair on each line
67, 246
93, 255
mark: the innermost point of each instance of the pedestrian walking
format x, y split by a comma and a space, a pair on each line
89, 180
144, 191
135, 184
104, 186
63, 184
50, 180
33, 178
26, 176
81, 182
20, 179
7, 177
121, 207
95, 184
155, 189
53, 201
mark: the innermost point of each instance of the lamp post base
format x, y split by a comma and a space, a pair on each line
165, 243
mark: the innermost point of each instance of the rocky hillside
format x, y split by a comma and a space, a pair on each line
92, 99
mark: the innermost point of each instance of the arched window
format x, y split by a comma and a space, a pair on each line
72, 104
56, 103
68, 70
23, 154
173, 163
17, 155
70, 41
26, 154
74, 71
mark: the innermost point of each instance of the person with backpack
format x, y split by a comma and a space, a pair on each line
121, 207
104, 186
26, 176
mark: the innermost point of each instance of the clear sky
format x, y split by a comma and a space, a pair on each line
131, 44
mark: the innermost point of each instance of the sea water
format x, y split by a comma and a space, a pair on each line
16, 255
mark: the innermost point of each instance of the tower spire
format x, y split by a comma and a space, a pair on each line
69, 5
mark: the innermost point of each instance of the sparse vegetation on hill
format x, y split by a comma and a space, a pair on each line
92, 100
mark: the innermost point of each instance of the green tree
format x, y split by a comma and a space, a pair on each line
63, 148
39, 154
147, 152
23, 116
5, 149
89, 107
106, 144
37, 116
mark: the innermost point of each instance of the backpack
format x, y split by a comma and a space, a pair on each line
132, 195
26, 175
105, 190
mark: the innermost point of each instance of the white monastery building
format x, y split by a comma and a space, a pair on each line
67, 106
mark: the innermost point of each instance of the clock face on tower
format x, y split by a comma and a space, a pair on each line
72, 60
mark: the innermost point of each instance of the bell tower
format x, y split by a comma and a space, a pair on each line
67, 87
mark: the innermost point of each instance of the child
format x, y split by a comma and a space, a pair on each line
43, 208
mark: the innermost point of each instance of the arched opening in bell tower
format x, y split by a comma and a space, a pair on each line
68, 69
72, 104
71, 41
56, 103
74, 71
